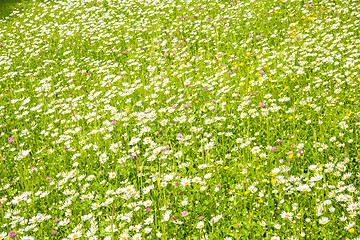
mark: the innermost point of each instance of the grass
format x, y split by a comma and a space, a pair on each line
7, 6
180, 120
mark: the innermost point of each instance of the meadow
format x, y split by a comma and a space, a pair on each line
196, 119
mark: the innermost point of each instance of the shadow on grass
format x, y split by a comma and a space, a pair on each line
7, 6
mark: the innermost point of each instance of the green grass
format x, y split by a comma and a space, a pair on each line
7, 6
180, 120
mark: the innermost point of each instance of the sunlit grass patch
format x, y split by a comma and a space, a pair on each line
180, 120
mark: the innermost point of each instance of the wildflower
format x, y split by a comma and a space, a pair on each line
149, 220
178, 154
207, 176
275, 238
287, 215
323, 220
103, 158
111, 228
185, 202
337, 91
112, 174
137, 236
209, 146
11, 140
215, 219
255, 150
184, 213
75, 235
185, 182
137, 228
200, 225
12, 234
64, 222
147, 203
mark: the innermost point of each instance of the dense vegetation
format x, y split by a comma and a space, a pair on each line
129, 119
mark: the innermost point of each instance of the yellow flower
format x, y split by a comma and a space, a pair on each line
273, 181
226, 168
351, 230
291, 155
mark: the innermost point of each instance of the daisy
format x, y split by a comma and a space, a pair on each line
64, 222
112, 174
137, 236
178, 154
185, 182
149, 220
147, 203
255, 150
200, 225
323, 220
287, 215
209, 146
111, 229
